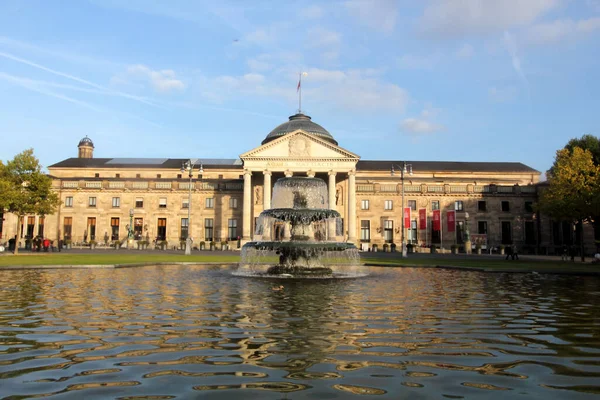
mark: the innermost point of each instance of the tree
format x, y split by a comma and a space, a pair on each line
24, 189
573, 191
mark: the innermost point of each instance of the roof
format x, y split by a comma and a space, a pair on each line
447, 166
169, 163
303, 122
86, 141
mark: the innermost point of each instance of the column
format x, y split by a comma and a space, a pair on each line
352, 206
331, 231
247, 205
267, 190
331, 190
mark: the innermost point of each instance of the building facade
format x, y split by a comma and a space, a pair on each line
102, 197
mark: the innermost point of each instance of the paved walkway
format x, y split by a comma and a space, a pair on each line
376, 255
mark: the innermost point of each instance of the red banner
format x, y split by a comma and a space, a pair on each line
422, 218
451, 215
437, 220
406, 217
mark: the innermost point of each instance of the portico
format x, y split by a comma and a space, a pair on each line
300, 152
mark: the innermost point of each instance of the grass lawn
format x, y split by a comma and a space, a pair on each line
104, 259
499, 264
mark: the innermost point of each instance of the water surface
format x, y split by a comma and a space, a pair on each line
198, 332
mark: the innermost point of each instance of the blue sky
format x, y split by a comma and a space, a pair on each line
455, 80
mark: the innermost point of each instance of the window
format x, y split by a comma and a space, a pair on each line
161, 232
138, 224
388, 205
365, 230
388, 231
138, 175
96, 175
158, 176
139, 202
114, 228
232, 229
117, 175
233, 202
210, 202
184, 228
162, 202
41, 227
69, 201
482, 206
92, 202
505, 206
435, 204
30, 226
506, 232
482, 227
412, 204
116, 202
460, 230
68, 227
91, 223
530, 233
529, 206
208, 229
458, 205
178, 176
185, 203
364, 205
412, 232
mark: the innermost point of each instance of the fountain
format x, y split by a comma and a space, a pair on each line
300, 237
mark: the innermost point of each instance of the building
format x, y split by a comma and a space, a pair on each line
102, 197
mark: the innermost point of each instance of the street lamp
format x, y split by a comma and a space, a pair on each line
404, 168
188, 167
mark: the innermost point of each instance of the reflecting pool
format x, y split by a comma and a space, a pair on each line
199, 332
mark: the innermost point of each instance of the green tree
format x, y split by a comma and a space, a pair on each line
573, 191
24, 189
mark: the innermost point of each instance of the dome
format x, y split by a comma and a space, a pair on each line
86, 141
303, 122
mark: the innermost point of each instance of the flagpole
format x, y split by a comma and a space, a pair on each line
300, 93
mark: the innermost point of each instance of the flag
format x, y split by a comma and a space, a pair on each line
451, 215
406, 217
298, 88
422, 218
436, 220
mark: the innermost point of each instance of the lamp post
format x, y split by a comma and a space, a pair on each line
188, 167
404, 168
130, 230
467, 235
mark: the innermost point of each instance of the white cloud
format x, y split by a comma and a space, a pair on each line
502, 94
351, 90
419, 126
447, 19
312, 12
558, 30
379, 15
320, 37
259, 64
162, 81
511, 47
422, 124
465, 52
411, 61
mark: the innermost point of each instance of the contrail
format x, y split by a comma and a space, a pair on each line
76, 79
511, 46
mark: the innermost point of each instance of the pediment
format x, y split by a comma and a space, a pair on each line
299, 145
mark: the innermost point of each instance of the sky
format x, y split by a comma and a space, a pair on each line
431, 80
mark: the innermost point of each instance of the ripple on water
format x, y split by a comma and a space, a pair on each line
184, 331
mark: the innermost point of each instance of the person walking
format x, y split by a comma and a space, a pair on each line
515, 253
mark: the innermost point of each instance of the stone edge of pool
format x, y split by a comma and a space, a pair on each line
455, 267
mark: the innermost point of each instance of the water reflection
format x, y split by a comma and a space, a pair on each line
185, 331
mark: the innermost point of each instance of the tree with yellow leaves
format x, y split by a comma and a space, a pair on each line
573, 190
